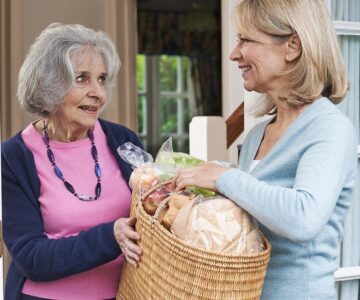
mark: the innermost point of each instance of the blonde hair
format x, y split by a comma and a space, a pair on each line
319, 70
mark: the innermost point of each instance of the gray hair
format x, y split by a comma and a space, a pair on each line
47, 73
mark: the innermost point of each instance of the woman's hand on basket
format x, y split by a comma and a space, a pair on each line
203, 176
127, 238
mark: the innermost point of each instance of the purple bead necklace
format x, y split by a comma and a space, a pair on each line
59, 174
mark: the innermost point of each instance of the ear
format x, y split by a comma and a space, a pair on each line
293, 48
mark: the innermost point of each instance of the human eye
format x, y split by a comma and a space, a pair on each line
81, 78
244, 40
102, 79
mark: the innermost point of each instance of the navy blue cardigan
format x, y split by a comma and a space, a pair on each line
35, 256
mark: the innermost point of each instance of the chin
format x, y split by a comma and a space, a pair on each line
89, 123
249, 88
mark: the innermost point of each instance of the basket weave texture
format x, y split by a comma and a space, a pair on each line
172, 270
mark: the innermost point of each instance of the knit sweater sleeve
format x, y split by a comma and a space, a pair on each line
326, 166
36, 256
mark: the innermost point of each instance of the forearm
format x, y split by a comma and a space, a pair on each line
43, 259
291, 213
38, 257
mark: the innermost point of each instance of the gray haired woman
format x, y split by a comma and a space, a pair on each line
66, 200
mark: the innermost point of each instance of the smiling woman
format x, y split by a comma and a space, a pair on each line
297, 170
66, 200
82, 105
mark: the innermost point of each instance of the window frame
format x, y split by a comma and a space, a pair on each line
152, 113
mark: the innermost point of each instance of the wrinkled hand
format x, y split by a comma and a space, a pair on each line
127, 238
203, 176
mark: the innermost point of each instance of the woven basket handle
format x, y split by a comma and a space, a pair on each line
162, 204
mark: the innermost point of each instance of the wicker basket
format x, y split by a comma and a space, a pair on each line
171, 269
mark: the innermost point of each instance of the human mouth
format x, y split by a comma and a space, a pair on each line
245, 69
89, 108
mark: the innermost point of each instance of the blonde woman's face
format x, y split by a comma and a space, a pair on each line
82, 105
261, 60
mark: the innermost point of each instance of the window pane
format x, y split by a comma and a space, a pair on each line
142, 114
168, 73
185, 72
144, 142
346, 10
140, 72
168, 115
181, 144
187, 115
186, 147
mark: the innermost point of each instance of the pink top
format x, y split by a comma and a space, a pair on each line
64, 215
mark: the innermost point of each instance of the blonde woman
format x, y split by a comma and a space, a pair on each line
297, 170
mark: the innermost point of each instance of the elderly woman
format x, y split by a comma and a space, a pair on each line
66, 200
298, 168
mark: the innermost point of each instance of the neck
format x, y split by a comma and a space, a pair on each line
58, 131
285, 115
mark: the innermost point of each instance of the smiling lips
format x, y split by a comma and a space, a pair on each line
89, 108
245, 69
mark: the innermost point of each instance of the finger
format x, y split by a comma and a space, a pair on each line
132, 247
182, 184
131, 261
173, 183
128, 232
134, 256
131, 221
131, 234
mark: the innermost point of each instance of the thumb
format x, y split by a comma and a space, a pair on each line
131, 221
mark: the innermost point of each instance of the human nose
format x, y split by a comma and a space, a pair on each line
97, 91
235, 53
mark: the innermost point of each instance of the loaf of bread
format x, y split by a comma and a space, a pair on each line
218, 225
175, 203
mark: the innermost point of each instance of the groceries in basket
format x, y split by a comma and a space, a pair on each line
197, 216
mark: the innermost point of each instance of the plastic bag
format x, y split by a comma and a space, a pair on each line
198, 216
218, 225
148, 174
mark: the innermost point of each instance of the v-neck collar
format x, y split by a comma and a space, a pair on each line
292, 126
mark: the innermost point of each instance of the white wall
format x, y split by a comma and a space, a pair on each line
233, 93
232, 82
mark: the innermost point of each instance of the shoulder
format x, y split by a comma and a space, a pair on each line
332, 123
116, 129
119, 132
13, 145
18, 162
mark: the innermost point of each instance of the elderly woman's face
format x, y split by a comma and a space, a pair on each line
82, 105
262, 61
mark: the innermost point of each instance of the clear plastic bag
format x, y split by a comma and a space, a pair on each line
218, 225
148, 174
198, 216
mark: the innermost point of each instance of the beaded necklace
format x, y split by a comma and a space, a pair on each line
59, 174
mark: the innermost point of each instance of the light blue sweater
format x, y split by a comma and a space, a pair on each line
299, 193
